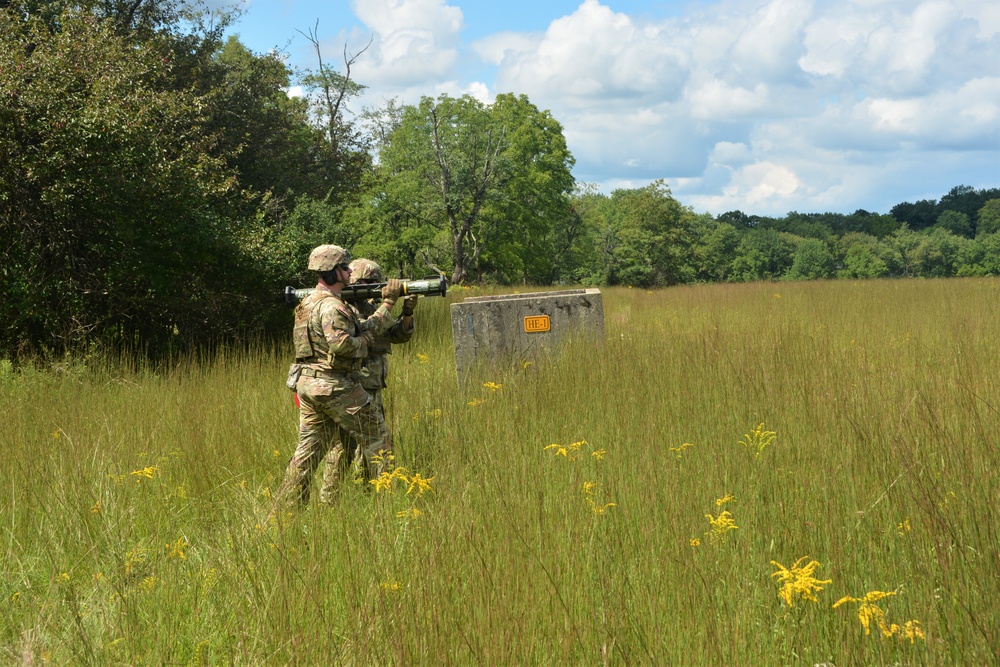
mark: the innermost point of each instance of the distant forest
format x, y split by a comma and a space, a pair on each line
158, 187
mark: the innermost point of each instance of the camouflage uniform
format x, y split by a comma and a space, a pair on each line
373, 378
333, 404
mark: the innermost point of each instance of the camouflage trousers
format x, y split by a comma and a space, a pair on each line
331, 410
344, 462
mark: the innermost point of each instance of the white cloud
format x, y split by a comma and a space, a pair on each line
414, 41
785, 104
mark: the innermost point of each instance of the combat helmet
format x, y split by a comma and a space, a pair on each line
365, 269
328, 257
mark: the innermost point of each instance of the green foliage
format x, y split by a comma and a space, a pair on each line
989, 218
954, 222
114, 209
763, 254
472, 188
813, 259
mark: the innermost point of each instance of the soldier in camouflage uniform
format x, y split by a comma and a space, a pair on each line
373, 373
331, 344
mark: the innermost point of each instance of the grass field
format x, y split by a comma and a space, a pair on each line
134, 502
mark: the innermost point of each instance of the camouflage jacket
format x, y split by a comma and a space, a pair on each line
391, 332
327, 332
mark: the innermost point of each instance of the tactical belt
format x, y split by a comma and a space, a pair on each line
317, 373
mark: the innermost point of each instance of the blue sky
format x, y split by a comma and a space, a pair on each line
765, 106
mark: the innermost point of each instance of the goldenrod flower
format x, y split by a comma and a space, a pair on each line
600, 509
590, 487
798, 580
422, 357
176, 550
904, 527
677, 450
383, 482
419, 483
911, 630
148, 473
868, 612
757, 439
560, 450
720, 526
719, 502
599, 454
96, 507
476, 401
493, 385
411, 513
695, 542
390, 586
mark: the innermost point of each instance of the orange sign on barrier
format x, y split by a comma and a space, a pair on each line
536, 324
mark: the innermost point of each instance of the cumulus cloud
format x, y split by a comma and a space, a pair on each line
789, 104
413, 41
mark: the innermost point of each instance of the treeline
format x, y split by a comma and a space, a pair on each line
158, 187
645, 237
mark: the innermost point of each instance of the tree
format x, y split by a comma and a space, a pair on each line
763, 254
813, 259
989, 218
955, 222
646, 241
488, 179
115, 214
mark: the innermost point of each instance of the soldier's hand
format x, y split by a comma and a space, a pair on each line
409, 303
391, 291
368, 337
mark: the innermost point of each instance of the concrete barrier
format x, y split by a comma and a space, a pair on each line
491, 329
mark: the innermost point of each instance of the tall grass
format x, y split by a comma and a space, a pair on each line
134, 502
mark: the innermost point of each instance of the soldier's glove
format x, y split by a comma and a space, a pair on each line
391, 291
409, 303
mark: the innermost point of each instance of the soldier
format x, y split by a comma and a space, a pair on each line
331, 344
373, 373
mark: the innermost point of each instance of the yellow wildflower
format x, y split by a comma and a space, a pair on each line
148, 473
720, 526
868, 612
56, 433
176, 550
677, 450
436, 412
599, 454
96, 507
419, 483
911, 630
383, 482
560, 450
695, 542
63, 577
798, 580
600, 509
719, 502
277, 453
590, 487
758, 439
422, 357
904, 527
390, 586
149, 583
493, 385
411, 513
476, 401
